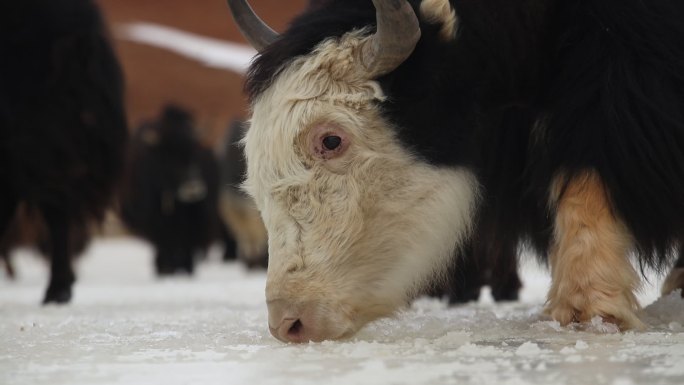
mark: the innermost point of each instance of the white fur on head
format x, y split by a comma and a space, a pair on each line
353, 236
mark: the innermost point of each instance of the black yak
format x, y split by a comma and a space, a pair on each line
62, 123
170, 196
386, 134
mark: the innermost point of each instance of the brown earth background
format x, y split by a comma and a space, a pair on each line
155, 77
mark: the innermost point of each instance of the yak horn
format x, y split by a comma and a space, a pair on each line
251, 26
395, 39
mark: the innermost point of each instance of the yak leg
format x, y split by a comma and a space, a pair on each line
188, 258
485, 262
675, 280
466, 277
591, 272
164, 259
7, 211
504, 279
229, 243
9, 268
61, 273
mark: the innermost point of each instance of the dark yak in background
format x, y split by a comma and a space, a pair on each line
171, 193
62, 124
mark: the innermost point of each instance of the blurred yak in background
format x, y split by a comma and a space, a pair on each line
62, 125
242, 219
170, 196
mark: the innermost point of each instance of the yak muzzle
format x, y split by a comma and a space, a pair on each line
304, 322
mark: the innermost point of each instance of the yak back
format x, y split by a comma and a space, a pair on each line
62, 124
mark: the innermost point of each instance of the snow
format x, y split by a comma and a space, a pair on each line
127, 327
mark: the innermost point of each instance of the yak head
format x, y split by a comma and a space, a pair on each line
356, 222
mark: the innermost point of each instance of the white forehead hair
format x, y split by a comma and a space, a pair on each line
327, 83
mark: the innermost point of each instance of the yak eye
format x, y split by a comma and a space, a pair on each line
327, 141
332, 142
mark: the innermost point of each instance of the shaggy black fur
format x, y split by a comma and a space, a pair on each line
171, 194
62, 124
531, 90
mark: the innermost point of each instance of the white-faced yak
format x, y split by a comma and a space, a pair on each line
62, 124
388, 133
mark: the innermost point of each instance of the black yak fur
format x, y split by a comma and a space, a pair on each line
531, 90
171, 192
62, 124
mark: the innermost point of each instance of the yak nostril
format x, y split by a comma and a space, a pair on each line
295, 329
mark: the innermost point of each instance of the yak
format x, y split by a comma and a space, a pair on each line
387, 135
170, 196
245, 237
62, 123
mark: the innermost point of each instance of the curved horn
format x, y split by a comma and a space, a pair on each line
251, 26
397, 34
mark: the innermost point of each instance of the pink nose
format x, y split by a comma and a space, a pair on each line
289, 324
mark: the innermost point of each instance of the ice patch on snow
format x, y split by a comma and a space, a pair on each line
581, 345
529, 349
599, 325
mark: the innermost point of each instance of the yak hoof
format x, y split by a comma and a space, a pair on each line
60, 295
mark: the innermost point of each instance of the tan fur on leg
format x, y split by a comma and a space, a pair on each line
592, 274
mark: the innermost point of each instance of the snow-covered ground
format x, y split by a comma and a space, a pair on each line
127, 327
